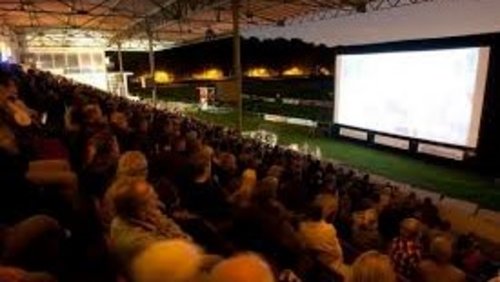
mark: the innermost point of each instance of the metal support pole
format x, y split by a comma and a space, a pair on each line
123, 88
238, 77
152, 66
120, 57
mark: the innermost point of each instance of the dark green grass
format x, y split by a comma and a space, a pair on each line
454, 183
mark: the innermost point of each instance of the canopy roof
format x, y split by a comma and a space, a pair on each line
88, 23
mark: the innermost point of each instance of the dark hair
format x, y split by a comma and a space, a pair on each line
197, 165
5, 78
314, 212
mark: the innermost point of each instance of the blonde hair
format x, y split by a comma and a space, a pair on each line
409, 227
373, 266
247, 187
168, 261
246, 267
132, 164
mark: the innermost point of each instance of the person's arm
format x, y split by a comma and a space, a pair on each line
12, 274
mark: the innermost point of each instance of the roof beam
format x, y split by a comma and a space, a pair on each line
67, 13
170, 10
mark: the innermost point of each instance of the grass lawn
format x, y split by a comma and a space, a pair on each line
450, 182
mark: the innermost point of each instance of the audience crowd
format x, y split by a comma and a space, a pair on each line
98, 188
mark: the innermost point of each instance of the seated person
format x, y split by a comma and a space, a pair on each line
438, 268
29, 248
320, 237
406, 250
139, 220
198, 193
131, 165
365, 233
266, 226
372, 266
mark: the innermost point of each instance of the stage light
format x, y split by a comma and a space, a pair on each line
294, 71
258, 72
210, 74
163, 77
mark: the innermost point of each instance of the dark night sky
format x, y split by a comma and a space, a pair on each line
278, 55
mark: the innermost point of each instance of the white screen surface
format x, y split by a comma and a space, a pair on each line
432, 95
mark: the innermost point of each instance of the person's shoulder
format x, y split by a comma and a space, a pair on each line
457, 274
426, 264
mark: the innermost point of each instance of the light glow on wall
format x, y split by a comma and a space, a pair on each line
294, 71
258, 72
163, 77
210, 74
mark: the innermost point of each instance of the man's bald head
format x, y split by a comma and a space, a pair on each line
242, 268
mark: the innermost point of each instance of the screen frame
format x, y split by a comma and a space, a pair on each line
420, 46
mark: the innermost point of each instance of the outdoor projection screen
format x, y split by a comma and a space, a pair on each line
434, 95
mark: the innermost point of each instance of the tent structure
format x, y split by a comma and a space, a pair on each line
428, 19
96, 23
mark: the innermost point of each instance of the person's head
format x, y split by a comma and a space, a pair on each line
133, 164
118, 120
329, 184
373, 266
409, 228
267, 190
179, 145
275, 171
134, 199
143, 126
427, 201
329, 205
102, 147
248, 181
8, 88
168, 261
227, 163
92, 114
200, 166
242, 268
441, 249
314, 212
269, 185
193, 143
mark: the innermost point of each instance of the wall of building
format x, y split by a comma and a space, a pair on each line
84, 65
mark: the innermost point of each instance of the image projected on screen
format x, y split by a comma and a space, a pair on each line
432, 95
